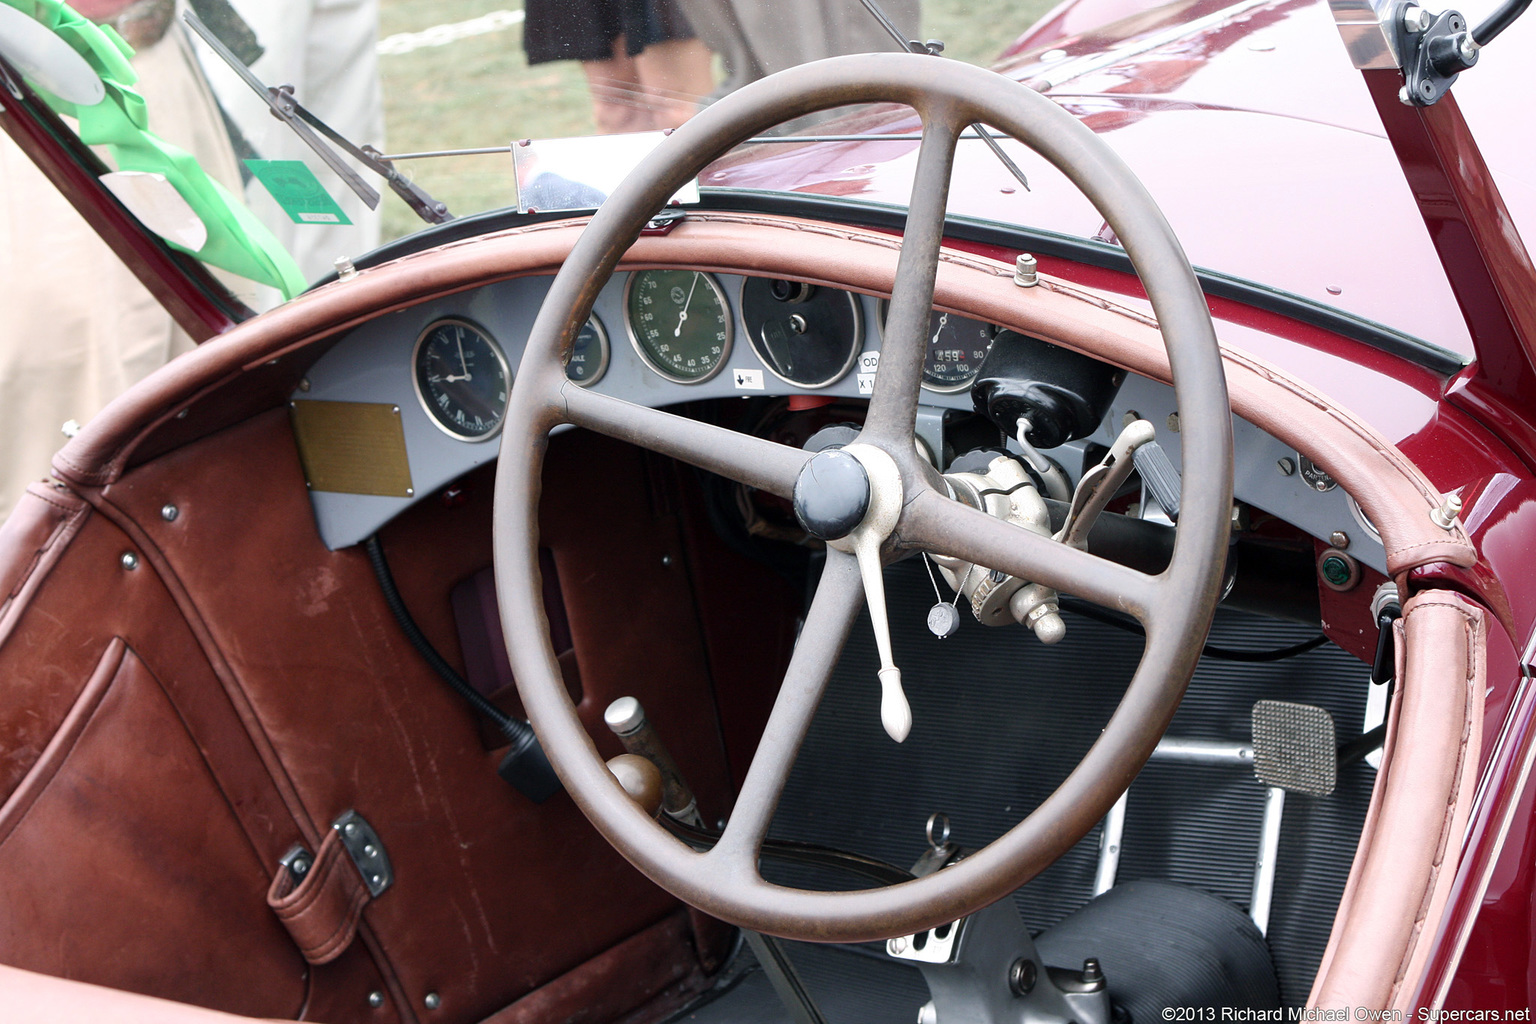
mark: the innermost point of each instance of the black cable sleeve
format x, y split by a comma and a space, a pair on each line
1109, 618
798, 853
509, 725
1498, 21
525, 766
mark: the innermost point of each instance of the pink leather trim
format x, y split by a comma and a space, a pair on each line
1412, 838
31, 998
1394, 494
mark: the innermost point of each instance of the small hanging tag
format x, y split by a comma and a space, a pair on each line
297, 191
943, 620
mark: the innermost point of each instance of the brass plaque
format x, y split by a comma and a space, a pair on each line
352, 447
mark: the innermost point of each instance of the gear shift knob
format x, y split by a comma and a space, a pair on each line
641, 780
625, 717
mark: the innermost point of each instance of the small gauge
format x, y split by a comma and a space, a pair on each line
956, 347
461, 378
805, 335
679, 323
589, 355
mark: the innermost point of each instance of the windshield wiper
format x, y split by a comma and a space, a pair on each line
935, 48
287, 109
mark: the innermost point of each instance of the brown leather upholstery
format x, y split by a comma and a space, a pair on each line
1411, 841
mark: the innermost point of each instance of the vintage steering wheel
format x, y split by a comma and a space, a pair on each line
1175, 606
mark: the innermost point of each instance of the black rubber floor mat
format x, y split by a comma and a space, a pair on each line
999, 721
849, 987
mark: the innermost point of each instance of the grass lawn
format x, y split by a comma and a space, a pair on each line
479, 91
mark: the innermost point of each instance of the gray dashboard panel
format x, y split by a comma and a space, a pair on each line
373, 364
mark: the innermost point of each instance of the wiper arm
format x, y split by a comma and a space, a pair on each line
935, 48
286, 108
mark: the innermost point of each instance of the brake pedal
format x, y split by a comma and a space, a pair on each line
1294, 747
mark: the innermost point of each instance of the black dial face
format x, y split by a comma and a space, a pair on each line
679, 323
462, 379
589, 355
805, 335
956, 347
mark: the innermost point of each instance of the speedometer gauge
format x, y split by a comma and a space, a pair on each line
679, 323
956, 347
461, 378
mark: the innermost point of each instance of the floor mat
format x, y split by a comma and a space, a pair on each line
1000, 719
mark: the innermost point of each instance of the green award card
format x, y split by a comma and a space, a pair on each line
297, 191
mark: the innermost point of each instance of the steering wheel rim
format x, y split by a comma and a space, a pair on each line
1175, 606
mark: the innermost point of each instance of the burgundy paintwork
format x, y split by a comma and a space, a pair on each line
1268, 154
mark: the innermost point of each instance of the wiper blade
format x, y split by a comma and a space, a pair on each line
935, 48
286, 108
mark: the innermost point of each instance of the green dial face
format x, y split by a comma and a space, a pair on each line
679, 323
462, 379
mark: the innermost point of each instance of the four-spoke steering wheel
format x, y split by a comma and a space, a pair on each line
1175, 606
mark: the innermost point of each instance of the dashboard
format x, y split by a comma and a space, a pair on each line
405, 404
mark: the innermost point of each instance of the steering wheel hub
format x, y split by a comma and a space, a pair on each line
832, 494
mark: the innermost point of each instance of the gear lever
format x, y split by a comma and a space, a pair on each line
626, 718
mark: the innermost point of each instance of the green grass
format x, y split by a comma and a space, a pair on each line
480, 91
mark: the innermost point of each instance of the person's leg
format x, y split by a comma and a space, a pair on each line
619, 101
676, 75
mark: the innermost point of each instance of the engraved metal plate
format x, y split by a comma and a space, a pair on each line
352, 447
367, 852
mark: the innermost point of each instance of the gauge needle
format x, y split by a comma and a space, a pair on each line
684, 314
943, 319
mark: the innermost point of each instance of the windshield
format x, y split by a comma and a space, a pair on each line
1202, 97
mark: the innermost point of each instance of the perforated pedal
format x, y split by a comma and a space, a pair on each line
1294, 747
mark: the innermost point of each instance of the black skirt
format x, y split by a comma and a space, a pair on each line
586, 29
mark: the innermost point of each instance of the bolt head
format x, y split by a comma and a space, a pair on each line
130, 561
432, 1001
1339, 539
169, 512
375, 999
1022, 976
899, 944
1416, 19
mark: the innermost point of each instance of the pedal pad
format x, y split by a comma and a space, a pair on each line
1161, 478
1294, 747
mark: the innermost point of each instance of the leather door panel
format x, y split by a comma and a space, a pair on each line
120, 839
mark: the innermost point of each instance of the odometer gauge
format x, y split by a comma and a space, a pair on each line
805, 335
679, 323
956, 347
461, 378
589, 355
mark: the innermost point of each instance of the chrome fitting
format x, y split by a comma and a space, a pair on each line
1445, 516
1026, 271
345, 271
1416, 18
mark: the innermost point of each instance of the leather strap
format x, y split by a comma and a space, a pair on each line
322, 911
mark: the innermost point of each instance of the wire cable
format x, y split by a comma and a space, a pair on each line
525, 765
1109, 618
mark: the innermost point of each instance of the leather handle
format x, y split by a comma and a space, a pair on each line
322, 911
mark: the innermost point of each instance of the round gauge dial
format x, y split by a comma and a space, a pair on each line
461, 378
679, 323
956, 347
589, 354
805, 335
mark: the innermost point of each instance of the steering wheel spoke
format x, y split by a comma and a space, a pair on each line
942, 525
753, 461
836, 605
893, 406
